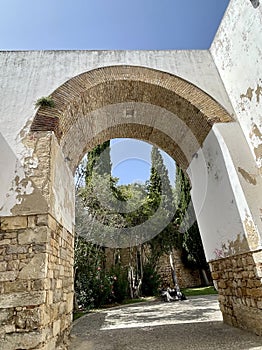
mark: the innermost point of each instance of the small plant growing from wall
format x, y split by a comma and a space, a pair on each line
45, 102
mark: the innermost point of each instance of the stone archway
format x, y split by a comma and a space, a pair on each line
124, 101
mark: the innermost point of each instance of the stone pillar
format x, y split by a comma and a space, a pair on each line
227, 198
36, 282
37, 248
239, 282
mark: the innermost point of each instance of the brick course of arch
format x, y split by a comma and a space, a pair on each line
114, 85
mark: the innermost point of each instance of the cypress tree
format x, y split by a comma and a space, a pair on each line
190, 241
159, 187
99, 161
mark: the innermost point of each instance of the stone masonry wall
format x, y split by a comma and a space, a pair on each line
239, 282
36, 283
186, 277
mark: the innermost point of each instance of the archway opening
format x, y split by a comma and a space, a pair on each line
106, 208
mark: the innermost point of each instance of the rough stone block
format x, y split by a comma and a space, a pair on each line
11, 235
12, 265
259, 304
56, 327
52, 223
59, 284
16, 286
29, 319
31, 221
25, 340
5, 241
69, 302
8, 328
42, 220
8, 276
49, 297
36, 268
22, 299
57, 295
16, 249
36, 235
14, 223
3, 266
39, 284
6, 316
257, 257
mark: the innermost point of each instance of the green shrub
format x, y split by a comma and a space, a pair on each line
45, 102
150, 281
119, 283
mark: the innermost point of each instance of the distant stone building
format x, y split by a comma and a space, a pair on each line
187, 277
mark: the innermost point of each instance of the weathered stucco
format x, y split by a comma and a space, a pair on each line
227, 205
18, 192
203, 107
237, 53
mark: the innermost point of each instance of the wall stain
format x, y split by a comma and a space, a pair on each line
248, 177
30, 193
248, 94
252, 235
258, 151
258, 92
256, 137
256, 132
238, 246
27, 202
25, 130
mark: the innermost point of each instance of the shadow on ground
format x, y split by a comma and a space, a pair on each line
188, 325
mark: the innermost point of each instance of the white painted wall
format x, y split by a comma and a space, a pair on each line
10, 167
237, 53
27, 75
62, 196
219, 200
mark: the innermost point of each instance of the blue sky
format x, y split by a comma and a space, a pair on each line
131, 161
112, 25
109, 24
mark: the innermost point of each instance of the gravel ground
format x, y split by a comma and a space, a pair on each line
189, 325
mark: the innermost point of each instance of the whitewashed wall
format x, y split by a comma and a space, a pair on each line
237, 53
227, 207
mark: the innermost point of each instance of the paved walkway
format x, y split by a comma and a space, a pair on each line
189, 325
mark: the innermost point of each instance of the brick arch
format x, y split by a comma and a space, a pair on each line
94, 90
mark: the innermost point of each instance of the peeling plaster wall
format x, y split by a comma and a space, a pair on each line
9, 167
62, 191
224, 216
16, 187
237, 52
247, 178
